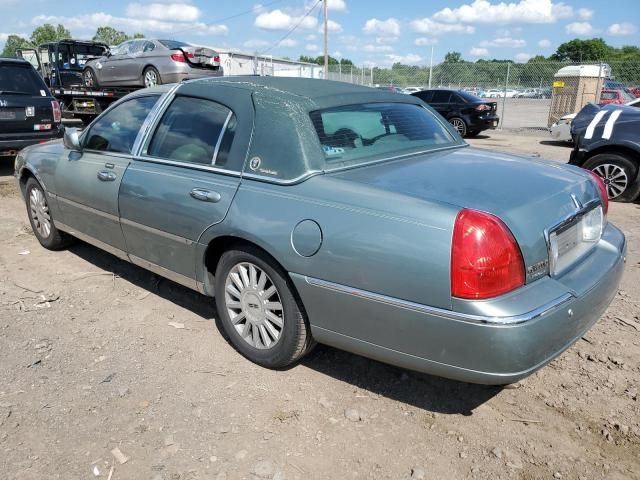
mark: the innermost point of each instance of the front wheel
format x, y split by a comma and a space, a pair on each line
258, 310
90, 79
459, 125
618, 173
40, 218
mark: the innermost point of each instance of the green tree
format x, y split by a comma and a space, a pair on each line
591, 50
111, 36
49, 33
319, 60
453, 57
14, 42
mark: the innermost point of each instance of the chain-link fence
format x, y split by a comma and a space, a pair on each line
529, 95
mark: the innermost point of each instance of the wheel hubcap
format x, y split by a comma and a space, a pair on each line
40, 212
614, 177
88, 79
458, 125
254, 306
150, 79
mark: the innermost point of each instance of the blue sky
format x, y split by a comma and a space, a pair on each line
366, 31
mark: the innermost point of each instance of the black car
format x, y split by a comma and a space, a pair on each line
468, 114
606, 141
28, 112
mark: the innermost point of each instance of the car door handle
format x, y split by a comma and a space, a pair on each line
105, 176
205, 195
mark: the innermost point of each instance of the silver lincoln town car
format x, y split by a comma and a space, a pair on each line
317, 211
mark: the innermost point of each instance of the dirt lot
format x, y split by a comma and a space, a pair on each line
89, 362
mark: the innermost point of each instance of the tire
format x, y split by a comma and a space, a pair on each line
90, 79
40, 218
619, 174
254, 328
148, 76
460, 125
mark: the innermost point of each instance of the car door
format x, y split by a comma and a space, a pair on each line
113, 66
182, 183
131, 67
87, 182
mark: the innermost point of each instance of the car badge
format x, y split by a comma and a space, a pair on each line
30, 111
3, 103
576, 202
254, 163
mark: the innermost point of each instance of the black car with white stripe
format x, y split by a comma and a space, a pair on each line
29, 114
607, 141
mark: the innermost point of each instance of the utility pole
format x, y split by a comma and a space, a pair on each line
326, 39
431, 67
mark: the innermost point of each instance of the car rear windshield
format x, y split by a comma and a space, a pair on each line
468, 97
362, 133
171, 44
21, 79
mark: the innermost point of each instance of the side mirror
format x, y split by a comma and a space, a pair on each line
71, 139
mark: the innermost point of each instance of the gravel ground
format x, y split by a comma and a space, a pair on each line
108, 371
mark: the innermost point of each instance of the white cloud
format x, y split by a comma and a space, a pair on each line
87, 24
377, 48
479, 52
331, 26
585, 13
524, 11
389, 27
335, 5
428, 26
522, 57
288, 42
424, 41
279, 20
579, 28
311, 37
337, 54
386, 40
544, 43
173, 12
621, 29
253, 43
506, 42
311, 47
409, 59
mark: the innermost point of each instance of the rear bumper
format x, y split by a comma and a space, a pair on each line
483, 123
190, 74
13, 142
466, 347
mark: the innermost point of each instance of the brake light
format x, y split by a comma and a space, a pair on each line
485, 258
57, 113
216, 58
178, 57
483, 108
602, 188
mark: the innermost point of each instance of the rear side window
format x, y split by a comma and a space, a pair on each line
425, 96
441, 96
116, 130
21, 79
191, 131
358, 133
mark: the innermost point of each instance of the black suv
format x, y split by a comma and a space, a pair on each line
468, 114
28, 112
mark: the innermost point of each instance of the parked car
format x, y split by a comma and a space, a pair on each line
527, 93
28, 112
410, 90
606, 141
390, 88
635, 91
320, 211
468, 114
544, 93
148, 63
615, 96
561, 130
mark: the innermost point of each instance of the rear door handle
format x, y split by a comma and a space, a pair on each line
105, 176
205, 195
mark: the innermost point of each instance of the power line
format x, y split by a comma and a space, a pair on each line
293, 29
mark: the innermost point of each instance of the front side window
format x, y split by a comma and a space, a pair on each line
360, 133
441, 96
191, 131
116, 130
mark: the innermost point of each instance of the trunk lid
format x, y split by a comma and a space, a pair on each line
528, 195
25, 113
202, 57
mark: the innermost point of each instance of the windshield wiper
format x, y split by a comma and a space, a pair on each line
14, 92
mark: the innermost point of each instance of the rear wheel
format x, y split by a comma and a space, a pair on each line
258, 310
459, 125
151, 77
618, 173
40, 218
90, 79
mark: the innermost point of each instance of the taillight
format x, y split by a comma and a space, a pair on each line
602, 188
485, 258
483, 108
216, 58
57, 113
178, 57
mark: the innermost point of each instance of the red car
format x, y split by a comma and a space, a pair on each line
635, 91
615, 96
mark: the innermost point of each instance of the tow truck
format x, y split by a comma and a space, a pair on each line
60, 64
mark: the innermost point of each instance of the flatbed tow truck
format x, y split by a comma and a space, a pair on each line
60, 64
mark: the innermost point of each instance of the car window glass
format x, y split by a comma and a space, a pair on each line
136, 47
189, 131
21, 78
425, 96
441, 96
122, 49
148, 47
116, 130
